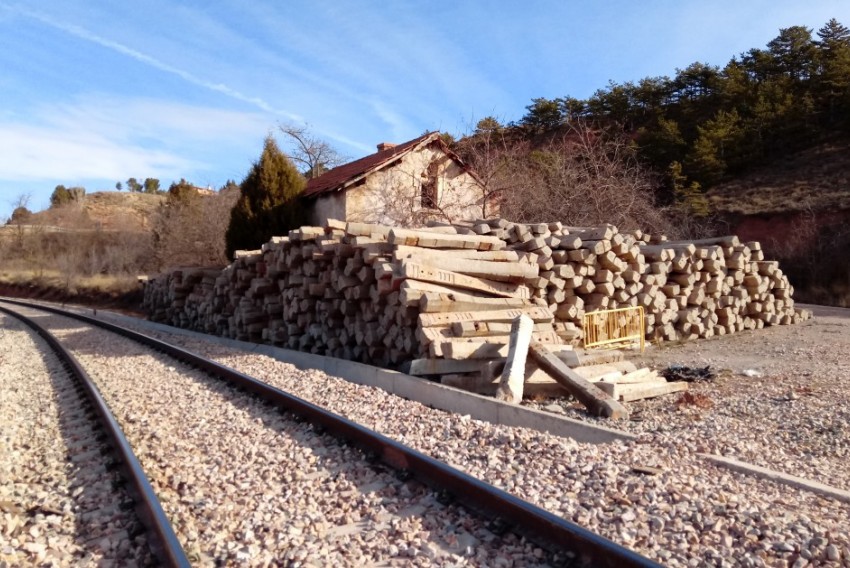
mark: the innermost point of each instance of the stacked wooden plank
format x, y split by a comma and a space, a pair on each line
689, 290
445, 296
638, 385
363, 292
180, 298
607, 370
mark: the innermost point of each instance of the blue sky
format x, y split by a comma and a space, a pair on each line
94, 92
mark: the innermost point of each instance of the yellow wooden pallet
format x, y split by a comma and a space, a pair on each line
610, 329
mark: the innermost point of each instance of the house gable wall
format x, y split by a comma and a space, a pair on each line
394, 195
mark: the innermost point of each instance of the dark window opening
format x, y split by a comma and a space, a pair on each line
430, 187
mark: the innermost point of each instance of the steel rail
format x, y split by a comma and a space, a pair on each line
165, 544
550, 531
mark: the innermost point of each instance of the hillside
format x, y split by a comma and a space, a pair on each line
104, 210
816, 179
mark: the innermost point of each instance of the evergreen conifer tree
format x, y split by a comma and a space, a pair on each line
269, 201
689, 197
60, 196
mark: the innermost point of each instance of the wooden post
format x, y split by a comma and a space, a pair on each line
448, 318
513, 375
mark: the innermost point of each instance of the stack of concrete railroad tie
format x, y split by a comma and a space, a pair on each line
441, 300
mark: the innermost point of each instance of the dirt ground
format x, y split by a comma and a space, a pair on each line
773, 350
781, 398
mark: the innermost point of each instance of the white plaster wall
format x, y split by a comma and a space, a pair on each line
393, 196
327, 206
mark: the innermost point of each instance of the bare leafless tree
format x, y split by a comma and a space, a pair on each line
311, 154
683, 224
492, 152
20, 217
190, 232
397, 201
583, 177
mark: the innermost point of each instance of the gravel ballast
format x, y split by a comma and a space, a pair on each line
689, 513
59, 505
244, 484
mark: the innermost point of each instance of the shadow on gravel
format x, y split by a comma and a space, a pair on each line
105, 525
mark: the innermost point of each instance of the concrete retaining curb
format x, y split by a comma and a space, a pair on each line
779, 477
421, 390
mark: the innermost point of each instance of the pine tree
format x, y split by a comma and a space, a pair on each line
133, 185
690, 197
542, 114
834, 79
794, 52
151, 185
662, 143
717, 145
834, 34
269, 201
60, 196
182, 192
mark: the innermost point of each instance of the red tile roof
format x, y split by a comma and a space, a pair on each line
342, 176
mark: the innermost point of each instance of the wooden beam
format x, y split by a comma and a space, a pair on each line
430, 302
462, 349
434, 319
402, 251
441, 366
438, 276
440, 344
597, 402
497, 271
411, 292
592, 372
643, 375
640, 391
483, 328
437, 240
366, 229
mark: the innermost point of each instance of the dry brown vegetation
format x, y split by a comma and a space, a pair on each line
583, 177
190, 231
100, 246
817, 178
105, 210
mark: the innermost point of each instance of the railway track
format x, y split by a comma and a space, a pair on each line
565, 542
95, 446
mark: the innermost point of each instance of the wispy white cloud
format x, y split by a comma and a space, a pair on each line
32, 153
105, 137
222, 88
345, 70
133, 118
398, 124
416, 68
274, 112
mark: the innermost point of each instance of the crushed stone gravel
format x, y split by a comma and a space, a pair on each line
685, 512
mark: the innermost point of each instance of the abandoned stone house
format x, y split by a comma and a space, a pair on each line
401, 185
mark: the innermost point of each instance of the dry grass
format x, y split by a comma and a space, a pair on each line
118, 293
817, 179
99, 284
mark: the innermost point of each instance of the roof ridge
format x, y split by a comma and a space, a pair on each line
339, 176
